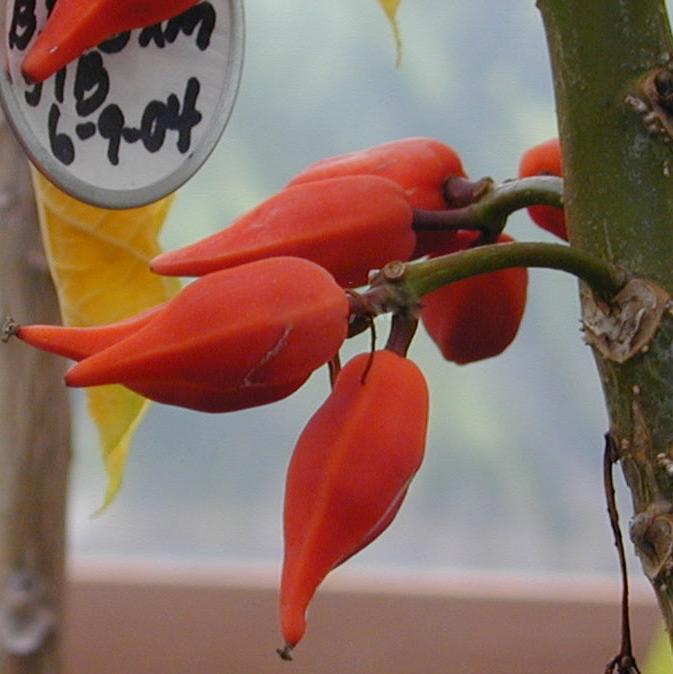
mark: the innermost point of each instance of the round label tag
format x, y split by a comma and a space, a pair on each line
133, 119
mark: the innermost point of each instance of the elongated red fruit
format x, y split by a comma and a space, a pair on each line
79, 342
478, 317
419, 165
77, 25
348, 474
231, 339
349, 225
545, 159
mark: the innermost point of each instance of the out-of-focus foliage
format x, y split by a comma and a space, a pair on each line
390, 7
659, 659
99, 263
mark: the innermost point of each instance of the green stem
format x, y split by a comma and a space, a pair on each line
513, 195
493, 205
424, 277
611, 62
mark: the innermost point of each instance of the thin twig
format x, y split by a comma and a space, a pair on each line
623, 662
334, 368
372, 349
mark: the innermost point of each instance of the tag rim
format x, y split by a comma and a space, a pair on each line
115, 199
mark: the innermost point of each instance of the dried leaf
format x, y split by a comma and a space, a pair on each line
390, 7
99, 263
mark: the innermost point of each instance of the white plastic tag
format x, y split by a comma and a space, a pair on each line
133, 119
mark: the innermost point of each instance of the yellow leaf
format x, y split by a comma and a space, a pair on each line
659, 660
99, 263
117, 413
390, 7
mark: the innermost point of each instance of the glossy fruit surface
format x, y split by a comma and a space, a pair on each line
545, 159
207, 397
77, 25
348, 474
478, 317
419, 165
231, 339
349, 225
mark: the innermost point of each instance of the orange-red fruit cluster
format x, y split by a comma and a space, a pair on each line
545, 159
478, 317
269, 308
350, 214
349, 473
233, 339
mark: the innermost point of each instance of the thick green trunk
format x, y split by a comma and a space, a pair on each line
611, 61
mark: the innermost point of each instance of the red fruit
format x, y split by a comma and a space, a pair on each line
235, 338
478, 317
349, 473
77, 25
205, 397
349, 225
79, 342
419, 165
545, 159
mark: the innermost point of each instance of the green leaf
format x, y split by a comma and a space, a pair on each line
99, 262
390, 7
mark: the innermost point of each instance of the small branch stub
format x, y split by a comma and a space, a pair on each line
651, 532
389, 291
9, 329
26, 615
624, 327
655, 102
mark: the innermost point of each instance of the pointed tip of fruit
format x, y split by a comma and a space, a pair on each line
178, 263
293, 623
84, 374
173, 263
72, 379
162, 264
39, 64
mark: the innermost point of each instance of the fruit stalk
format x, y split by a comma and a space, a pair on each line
493, 204
424, 277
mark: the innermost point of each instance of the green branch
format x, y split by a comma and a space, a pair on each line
399, 285
493, 204
424, 277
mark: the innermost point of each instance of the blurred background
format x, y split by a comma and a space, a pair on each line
512, 476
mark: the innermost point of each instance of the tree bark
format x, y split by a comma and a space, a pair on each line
34, 438
612, 63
